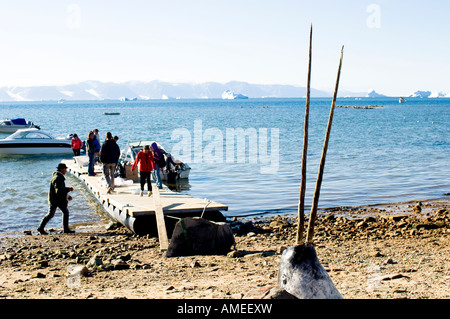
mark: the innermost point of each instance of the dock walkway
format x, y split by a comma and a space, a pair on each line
136, 212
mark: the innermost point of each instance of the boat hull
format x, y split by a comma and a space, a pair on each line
34, 148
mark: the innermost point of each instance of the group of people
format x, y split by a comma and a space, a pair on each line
108, 154
150, 160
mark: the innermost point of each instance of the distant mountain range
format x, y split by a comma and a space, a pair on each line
95, 90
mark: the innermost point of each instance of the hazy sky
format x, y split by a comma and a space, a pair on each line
395, 47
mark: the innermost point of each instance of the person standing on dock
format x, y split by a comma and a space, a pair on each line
90, 151
146, 165
109, 156
98, 144
58, 198
160, 162
76, 145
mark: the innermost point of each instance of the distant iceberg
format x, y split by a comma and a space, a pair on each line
439, 94
374, 94
125, 99
421, 94
229, 95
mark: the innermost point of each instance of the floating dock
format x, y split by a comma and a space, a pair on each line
139, 214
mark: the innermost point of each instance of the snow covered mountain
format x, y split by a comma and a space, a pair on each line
140, 90
95, 90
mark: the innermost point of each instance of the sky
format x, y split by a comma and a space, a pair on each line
395, 47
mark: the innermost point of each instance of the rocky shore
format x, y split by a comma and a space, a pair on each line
372, 252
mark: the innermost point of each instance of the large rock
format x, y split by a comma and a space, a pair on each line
301, 274
199, 236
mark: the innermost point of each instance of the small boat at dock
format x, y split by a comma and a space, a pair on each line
32, 142
12, 125
129, 154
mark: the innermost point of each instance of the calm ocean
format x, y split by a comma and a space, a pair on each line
395, 153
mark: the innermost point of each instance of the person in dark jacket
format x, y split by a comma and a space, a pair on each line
109, 156
90, 151
58, 198
160, 163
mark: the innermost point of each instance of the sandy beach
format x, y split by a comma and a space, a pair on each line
387, 251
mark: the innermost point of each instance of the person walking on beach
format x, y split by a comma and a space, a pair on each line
58, 198
90, 151
109, 156
146, 165
76, 145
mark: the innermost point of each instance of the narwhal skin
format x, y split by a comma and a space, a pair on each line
301, 274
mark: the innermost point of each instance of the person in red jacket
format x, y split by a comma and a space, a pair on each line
146, 165
76, 145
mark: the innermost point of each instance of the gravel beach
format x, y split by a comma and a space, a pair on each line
385, 251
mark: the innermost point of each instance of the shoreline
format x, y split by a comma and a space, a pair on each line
352, 212
382, 251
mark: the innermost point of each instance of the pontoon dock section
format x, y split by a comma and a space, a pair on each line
138, 213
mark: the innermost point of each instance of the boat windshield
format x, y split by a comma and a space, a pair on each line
30, 135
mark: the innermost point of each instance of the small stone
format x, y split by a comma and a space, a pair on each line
396, 218
370, 219
254, 255
375, 254
281, 249
94, 262
361, 224
125, 257
38, 275
42, 263
195, 264
119, 264
235, 254
390, 261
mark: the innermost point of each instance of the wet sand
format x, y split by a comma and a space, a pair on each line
385, 251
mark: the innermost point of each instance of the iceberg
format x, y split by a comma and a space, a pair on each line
421, 94
125, 99
229, 95
439, 94
374, 94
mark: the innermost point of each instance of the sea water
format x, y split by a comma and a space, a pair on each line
397, 152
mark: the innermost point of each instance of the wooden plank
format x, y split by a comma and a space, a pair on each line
160, 223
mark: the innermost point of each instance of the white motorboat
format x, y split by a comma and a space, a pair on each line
12, 125
34, 141
129, 154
